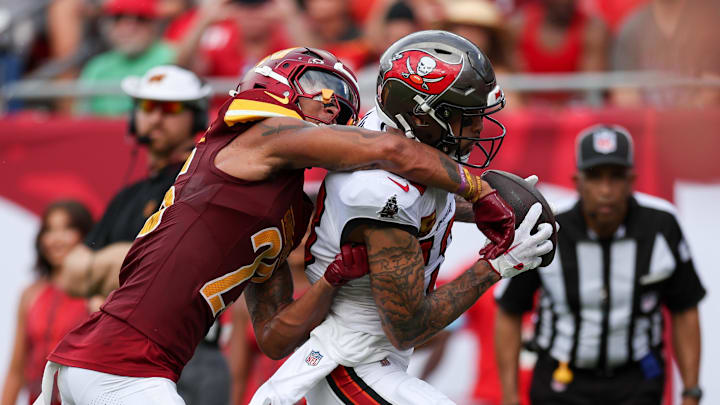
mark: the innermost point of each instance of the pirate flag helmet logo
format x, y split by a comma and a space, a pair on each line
423, 71
440, 89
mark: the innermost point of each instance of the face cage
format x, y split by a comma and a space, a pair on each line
449, 140
339, 101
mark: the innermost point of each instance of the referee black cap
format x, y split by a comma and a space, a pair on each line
604, 145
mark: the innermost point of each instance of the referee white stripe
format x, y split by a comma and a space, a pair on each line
590, 277
622, 277
554, 282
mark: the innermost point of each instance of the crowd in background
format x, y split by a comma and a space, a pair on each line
106, 40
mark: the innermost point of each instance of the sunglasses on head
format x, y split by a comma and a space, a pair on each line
167, 107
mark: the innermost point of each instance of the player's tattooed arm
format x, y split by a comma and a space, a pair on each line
337, 147
409, 316
280, 323
265, 300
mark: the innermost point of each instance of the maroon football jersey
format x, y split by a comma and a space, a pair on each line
212, 235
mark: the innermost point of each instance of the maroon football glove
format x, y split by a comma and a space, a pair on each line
496, 220
349, 264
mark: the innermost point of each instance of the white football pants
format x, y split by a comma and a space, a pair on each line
79, 386
311, 373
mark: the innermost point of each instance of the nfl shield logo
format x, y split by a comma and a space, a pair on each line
605, 142
313, 358
648, 302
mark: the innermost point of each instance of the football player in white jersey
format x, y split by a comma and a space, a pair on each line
435, 87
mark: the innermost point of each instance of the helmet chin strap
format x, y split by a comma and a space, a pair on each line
464, 158
430, 111
391, 123
408, 130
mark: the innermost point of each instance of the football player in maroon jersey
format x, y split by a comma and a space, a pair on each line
235, 212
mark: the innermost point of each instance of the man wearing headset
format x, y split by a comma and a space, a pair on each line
170, 108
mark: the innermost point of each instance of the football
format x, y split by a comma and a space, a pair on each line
521, 196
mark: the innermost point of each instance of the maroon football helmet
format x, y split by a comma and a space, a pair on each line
307, 72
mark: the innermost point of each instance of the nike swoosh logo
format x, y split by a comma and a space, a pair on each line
282, 100
405, 188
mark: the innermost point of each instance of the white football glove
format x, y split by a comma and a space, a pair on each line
526, 250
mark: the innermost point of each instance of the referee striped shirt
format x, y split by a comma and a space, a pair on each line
599, 301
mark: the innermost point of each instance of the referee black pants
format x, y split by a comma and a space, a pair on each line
627, 386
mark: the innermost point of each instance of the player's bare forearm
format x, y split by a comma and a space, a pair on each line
280, 323
464, 210
337, 147
686, 344
410, 317
507, 353
86, 272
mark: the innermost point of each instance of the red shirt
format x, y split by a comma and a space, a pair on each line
49, 318
222, 46
213, 234
538, 59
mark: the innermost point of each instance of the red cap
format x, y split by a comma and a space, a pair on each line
143, 8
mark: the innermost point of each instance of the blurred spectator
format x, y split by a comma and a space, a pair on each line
327, 24
481, 22
171, 9
613, 12
227, 37
65, 32
131, 27
35, 32
360, 10
555, 36
673, 36
429, 13
46, 313
388, 21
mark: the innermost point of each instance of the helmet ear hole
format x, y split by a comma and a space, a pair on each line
444, 112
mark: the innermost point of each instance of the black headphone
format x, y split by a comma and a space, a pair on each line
199, 123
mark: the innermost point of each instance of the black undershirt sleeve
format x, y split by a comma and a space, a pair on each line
683, 290
519, 294
353, 224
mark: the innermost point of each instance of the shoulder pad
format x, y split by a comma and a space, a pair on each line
376, 194
256, 104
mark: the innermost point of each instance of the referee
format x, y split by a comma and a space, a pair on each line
599, 326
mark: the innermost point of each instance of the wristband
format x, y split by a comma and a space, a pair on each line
693, 392
470, 185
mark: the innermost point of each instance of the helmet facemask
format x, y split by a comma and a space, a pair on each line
435, 129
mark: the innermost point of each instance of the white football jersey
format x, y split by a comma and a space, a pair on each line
380, 196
